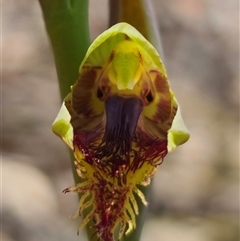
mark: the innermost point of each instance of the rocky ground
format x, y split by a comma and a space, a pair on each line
195, 194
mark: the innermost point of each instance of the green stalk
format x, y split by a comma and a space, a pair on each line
67, 26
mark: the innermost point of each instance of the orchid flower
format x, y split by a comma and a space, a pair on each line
120, 119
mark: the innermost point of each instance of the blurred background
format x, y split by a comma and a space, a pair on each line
195, 194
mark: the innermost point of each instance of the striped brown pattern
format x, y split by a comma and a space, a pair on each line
82, 92
164, 104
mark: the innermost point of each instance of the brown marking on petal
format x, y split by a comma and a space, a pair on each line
169, 124
175, 108
112, 56
82, 93
173, 113
82, 104
163, 109
163, 104
126, 37
161, 84
87, 79
140, 57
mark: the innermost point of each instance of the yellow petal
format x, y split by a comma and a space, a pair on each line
178, 133
62, 127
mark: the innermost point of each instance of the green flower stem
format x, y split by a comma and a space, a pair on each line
67, 26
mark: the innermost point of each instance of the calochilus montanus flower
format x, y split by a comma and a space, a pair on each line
120, 119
